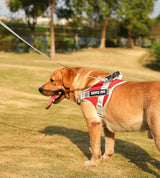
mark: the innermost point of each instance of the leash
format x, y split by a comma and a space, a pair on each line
38, 51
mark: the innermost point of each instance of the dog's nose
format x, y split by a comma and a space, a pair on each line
40, 90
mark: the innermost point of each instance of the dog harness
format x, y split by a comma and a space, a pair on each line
100, 93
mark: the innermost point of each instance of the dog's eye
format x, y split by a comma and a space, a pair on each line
51, 80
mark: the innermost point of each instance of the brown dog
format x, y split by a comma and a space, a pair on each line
133, 106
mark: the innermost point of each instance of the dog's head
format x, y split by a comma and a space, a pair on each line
58, 87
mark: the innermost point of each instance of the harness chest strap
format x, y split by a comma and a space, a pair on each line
99, 106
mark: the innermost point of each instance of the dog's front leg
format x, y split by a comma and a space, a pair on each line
94, 126
95, 134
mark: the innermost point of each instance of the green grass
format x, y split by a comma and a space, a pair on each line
55, 143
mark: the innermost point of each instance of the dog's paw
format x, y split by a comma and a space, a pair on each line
107, 156
91, 162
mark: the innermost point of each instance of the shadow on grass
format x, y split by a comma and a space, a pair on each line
130, 151
79, 138
154, 65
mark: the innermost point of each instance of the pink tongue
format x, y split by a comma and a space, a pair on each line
51, 100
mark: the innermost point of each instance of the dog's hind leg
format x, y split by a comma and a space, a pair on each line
156, 137
155, 130
153, 118
109, 144
150, 135
94, 127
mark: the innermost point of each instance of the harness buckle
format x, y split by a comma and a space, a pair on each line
114, 75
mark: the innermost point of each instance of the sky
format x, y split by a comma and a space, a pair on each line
156, 11
4, 11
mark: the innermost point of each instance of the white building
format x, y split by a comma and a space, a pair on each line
45, 20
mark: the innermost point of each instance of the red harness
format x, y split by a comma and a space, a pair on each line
98, 86
99, 94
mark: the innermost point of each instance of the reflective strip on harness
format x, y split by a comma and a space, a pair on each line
102, 101
100, 93
99, 105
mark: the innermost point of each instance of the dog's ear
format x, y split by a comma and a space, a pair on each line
68, 76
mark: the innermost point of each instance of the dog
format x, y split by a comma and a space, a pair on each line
133, 106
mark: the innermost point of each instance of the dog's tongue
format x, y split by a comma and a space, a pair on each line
51, 101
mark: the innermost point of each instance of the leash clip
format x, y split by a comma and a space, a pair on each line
114, 75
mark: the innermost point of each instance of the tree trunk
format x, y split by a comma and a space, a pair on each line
129, 41
32, 30
32, 39
103, 38
134, 42
52, 30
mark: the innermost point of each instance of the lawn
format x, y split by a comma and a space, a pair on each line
39, 143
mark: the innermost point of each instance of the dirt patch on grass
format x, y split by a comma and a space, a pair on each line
35, 68
112, 59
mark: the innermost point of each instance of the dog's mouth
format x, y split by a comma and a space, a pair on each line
55, 98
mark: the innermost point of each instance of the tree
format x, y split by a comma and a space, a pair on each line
35, 8
134, 14
52, 4
95, 12
32, 10
58, 7
101, 11
158, 19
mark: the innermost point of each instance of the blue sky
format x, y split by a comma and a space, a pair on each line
4, 11
156, 11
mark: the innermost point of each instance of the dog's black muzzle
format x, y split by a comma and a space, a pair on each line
41, 90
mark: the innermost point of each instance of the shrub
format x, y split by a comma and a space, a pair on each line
155, 51
7, 45
38, 43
